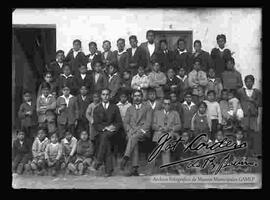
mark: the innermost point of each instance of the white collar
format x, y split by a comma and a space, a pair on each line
112, 75
46, 97
248, 89
180, 52
144, 75
70, 95
83, 75
183, 79
104, 105
67, 76
220, 48
151, 44
166, 112
122, 104
212, 79
94, 54
138, 106
134, 48
120, 53
83, 97
191, 104
29, 103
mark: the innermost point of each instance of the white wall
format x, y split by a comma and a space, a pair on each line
241, 26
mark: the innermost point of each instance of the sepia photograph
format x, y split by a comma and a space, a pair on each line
136, 98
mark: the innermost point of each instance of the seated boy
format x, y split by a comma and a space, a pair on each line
152, 101
53, 155
173, 83
21, 153
38, 152
140, 82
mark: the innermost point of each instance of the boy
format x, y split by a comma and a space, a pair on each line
231, 78
136, 56
66, 78
83, 79
46, 105
182, 58
121, 56
176, 104
83, 100
224, 108
214, 83
126, 82
200, 95
220, 54
140, 82
166, 121
188, 110
69, 144
197, 77
214, 112
53, 155
204, 56
38, 152
99, 78
251, 102
48, 78
114, 83
28, 116
89, 114
123, 104
152, 101
184, 83
21, 153
56, 66
150, 48
164, 56
93, 57
108, 58
173, 83
157, 80
75, 57
84, 154
67, 111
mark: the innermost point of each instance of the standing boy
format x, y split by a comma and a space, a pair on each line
93, 57
121, 55
165, 56
56, 66
108, 58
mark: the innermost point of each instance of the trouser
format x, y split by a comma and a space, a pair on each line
62, 128
132, 148
20, 159
104, 151
214, 127
30, 132
56, 166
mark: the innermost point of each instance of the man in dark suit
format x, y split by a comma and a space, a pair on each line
56, 66
136, 56
137, 125
182, 58
93, 57
76, 57
107, 122
150, 48
164, 56
121, 56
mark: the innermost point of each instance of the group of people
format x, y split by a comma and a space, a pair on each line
89, 104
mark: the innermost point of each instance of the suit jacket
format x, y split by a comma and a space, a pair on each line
54, 67
139, 58
76, 62
175, 81
206, 60
219, 60
166, 60
187, 114
157, 107
82, 106
70, 81
149, 58
133, 121
114, 84
19, 150
171, 122
103, 118
96, 58
87, 81
121, 61
101, 83
50, 105
184, 60
110, 57
70, 113
28, 120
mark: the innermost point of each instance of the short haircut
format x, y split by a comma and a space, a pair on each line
77, 40
202, 103
107, 41
197, 41
172, 92
166, 97
98, 62
59, 51
66, 65
114, 66
84, 86
211, 91
197, 60
221, 36
163, 41
134, 91
92, 43
54, 134
150, 31
66, 86
43, 128
224, 90
121, 39
45, 85
96, 92
188, 92
230, 59
83, 131
26, 91
127, 70
170, 68
105, 89
232, 91
47, 72
251, 77
180, 39
20, 131
83, 65
151, 90
212, 69
134, 37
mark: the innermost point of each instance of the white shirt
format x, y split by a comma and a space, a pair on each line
46, 98
96, 77
105, 105
67, 76
182, 79
153, 105
238, 142
106, 54
249, 92
138, 82
83, 97
29, 103
111, 76
138, 106
83, 76
67, 98
189, 106
212, 79
166, 113
151, 48
60, 65
75, 53
133, 50
221, 49
89, 67
180, 52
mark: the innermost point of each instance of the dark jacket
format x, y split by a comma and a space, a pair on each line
121, 61
54, 67
70, 81
184, 60
166, 60
219, 60
139, 58
95, 59
87, 81
175, 81
153, 57
19, 150
26, 119
206, 60
76, 62
83, 105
